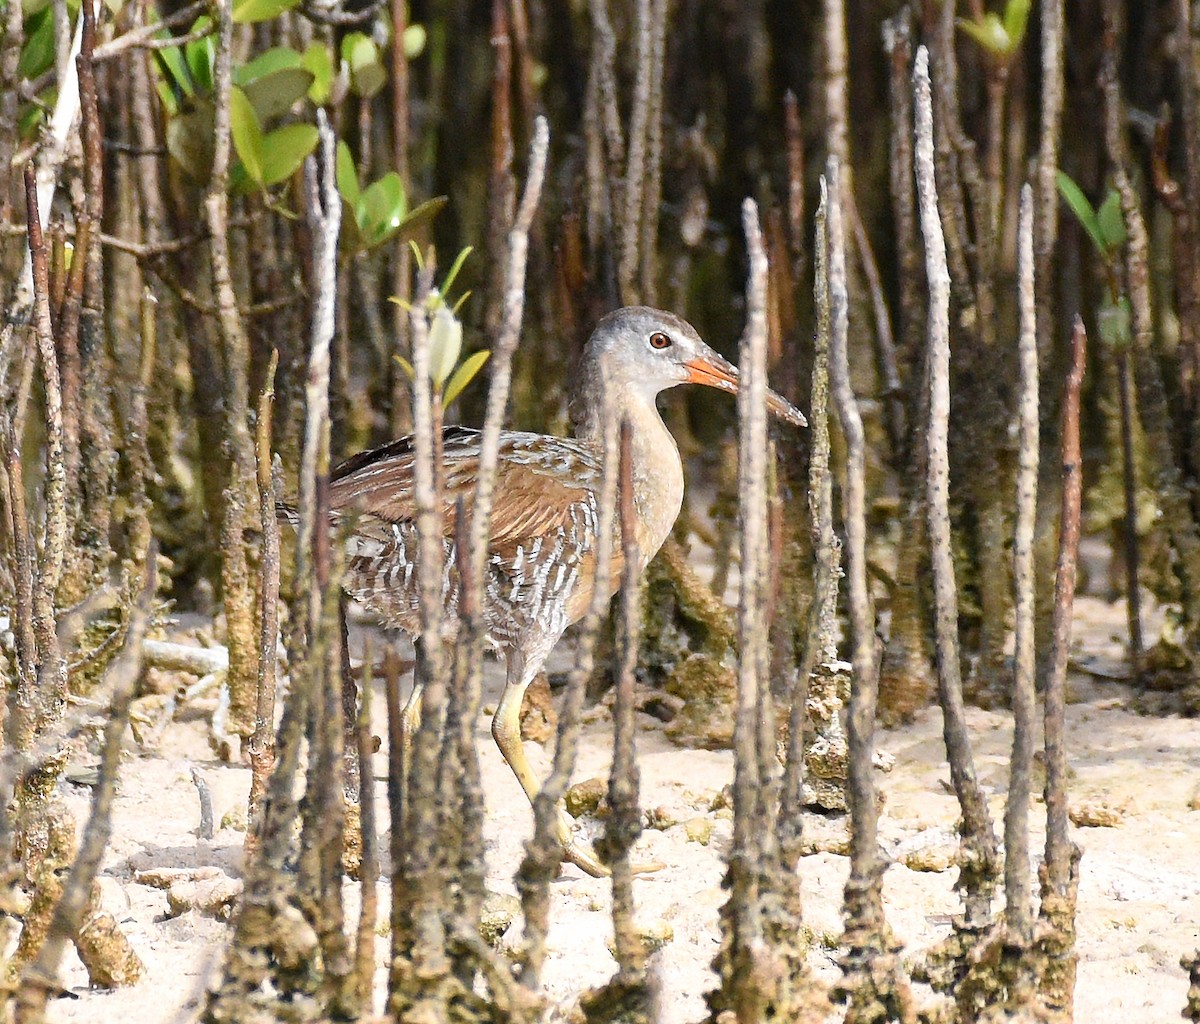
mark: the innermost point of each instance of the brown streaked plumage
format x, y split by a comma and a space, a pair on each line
543, 517
541, 556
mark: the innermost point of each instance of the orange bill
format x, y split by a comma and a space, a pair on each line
715, 372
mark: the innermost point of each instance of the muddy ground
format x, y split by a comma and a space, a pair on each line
1139, 896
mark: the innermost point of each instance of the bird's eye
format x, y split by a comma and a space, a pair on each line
659, 340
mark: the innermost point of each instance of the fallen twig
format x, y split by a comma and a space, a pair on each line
205, 829
199, 661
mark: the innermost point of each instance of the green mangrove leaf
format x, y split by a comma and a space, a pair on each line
173, 72
275, 94
1111, 221
284, 151
1084, 212
200, 55
32, 117
367, 73
357, 49
406, 366
455, 267
319, 62
421, 215
37, 55
240, 183
166, 96
247, 134
190, 141
381, 208
989, 33
246, 12
347, 175
414, 40
278, 58
368, 80
464, 375
1016, 21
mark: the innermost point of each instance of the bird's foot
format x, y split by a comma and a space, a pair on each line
585, 858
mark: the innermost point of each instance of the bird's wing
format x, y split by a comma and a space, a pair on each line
542, 484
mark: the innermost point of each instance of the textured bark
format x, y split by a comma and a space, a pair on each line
237, 584
1018, 913
979, 866
874, 985
261, 747
817, 756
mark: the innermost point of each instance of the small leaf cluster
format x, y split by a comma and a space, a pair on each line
363, 59
448, 376
1105, 226
264, 90
1000, 36
379, 212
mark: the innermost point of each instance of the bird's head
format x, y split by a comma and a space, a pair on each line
646, 350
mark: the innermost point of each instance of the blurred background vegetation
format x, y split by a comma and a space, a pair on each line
662, 121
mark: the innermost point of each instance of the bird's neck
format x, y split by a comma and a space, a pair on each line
657, 468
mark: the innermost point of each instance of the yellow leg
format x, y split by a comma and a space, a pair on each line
506, 730
410, 717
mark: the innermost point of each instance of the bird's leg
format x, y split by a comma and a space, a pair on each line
506, 730
410, 717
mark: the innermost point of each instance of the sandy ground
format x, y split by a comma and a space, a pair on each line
1139, 896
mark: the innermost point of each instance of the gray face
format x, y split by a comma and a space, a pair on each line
647, 349
644, 351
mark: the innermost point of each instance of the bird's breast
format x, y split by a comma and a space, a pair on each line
657, 486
